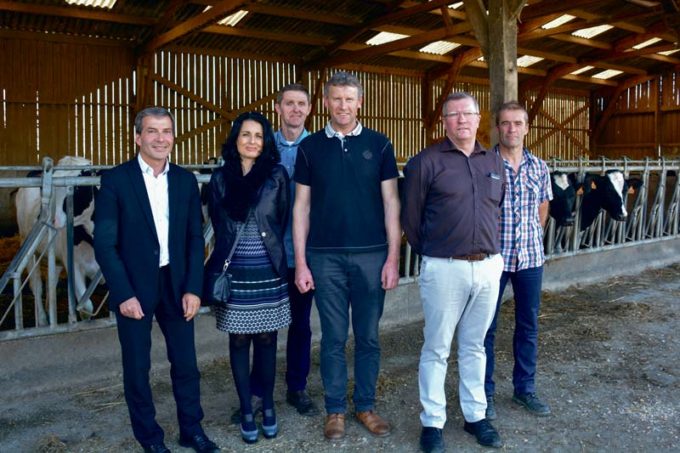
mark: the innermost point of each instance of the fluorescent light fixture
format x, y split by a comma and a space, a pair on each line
582, 70
384, 37
607, 74
456, 5
563, 19
592, 31
481, 58
439, 47
527, 60
668, 52
647, 43
233, 19
108, 4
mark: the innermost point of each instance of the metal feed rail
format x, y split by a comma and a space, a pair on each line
653, 216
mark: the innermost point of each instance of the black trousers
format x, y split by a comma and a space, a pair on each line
135, 343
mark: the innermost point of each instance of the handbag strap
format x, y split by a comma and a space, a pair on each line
227, 262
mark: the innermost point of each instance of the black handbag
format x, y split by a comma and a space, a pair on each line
217, 284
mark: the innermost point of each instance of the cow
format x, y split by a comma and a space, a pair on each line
606, 192
599, 192
28, 205
564, 188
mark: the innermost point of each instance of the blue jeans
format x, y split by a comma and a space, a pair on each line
349, 283
526, 285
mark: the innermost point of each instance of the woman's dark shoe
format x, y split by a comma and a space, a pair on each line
269, 426
249, 431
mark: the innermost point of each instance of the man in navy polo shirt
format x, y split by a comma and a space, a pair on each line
346, 237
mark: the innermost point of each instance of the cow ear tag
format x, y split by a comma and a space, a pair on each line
631, 190
579, 191
593, 186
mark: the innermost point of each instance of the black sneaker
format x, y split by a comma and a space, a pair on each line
431, 440
490, 408
256, 404
485, 433
302, 402
532, 403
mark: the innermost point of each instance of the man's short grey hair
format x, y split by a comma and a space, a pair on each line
343, 79
158, 112
457, 96
292, 87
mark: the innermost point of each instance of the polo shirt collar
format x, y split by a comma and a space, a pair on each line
146, 168
330, 132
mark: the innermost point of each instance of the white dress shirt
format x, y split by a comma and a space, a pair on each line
157, 190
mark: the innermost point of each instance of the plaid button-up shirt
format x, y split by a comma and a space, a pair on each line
520, 227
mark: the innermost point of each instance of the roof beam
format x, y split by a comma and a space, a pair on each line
75, 13
293, 13
400, 44
195, 23
330, 51
268, 35
554, 7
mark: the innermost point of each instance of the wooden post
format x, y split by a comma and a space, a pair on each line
496, 33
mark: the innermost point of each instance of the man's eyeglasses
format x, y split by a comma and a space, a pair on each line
456, 115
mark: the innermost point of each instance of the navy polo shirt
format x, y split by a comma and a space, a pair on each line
345, 176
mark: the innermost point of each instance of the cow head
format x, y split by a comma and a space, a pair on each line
606, 192
564, 198
612, 187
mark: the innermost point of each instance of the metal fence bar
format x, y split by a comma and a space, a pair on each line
648, 220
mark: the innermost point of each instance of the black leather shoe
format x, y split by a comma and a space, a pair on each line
199, 442
156, 448
302, 402
532, 403
431, 440
490, 408
485, 433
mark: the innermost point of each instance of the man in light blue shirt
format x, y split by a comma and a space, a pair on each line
293, 106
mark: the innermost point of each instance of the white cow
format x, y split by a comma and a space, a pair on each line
28, 204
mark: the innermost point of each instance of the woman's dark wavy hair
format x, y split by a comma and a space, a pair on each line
269, 150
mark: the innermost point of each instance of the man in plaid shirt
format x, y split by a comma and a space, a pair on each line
523, 217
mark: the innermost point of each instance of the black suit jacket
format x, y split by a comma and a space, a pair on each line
125, 240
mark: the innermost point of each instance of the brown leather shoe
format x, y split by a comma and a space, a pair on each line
374, 423
334, 428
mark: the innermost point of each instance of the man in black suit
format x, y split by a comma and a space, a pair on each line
148, 241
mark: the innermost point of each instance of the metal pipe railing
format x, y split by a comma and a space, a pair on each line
652, 218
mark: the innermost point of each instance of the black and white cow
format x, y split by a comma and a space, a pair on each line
28, 205
606, 192
599, 192
564, 188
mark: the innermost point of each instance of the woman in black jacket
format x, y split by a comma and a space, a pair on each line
251, 193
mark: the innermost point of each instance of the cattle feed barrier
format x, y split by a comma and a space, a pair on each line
653, 216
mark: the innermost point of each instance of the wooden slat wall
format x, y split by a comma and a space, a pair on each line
560, 130
229, 84
67, 98
632, 129
62, 98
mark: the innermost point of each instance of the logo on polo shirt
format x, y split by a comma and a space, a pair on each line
368, 155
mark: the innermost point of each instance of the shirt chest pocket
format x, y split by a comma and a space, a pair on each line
530, 192
492, 187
